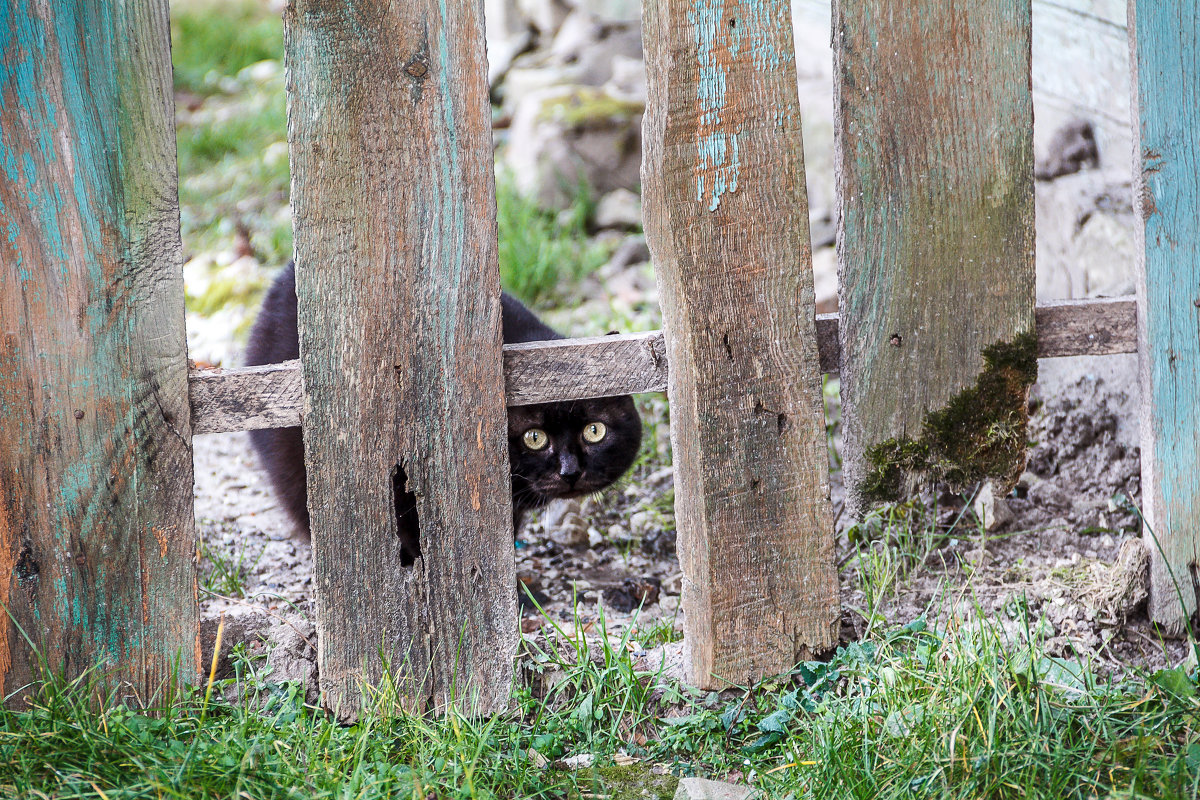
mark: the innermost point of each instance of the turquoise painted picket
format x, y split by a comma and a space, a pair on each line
1166, 57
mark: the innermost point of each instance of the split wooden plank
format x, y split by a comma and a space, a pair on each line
1165, 41
97, 537
576, 369
1100, 327
727, 224
934, 161
248, 398
399, 312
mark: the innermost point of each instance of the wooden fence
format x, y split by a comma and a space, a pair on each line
403, 373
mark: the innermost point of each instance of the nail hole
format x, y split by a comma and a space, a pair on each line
408, 526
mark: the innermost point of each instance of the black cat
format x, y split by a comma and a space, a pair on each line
566, 449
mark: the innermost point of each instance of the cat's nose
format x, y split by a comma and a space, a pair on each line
568, 467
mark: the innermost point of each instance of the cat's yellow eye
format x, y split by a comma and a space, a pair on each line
594, 432
535, 439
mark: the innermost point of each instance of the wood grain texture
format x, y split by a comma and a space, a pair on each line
247, 398
934, 165
96, 530
1165, 40
575, 369
1099, 327
399, 313
727, 225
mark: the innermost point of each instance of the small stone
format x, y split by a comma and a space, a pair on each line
564, 523
617, 533
580, 761
661, 477
240, 625
631, 250
992, 510
639, 522
595, 538
703, 789
1048, 495
673, 583
293, 656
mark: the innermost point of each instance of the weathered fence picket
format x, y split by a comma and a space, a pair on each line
96, 533
399, 305
727, 224
934, 127
1165, 38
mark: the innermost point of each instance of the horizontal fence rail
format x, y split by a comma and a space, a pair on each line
249, 398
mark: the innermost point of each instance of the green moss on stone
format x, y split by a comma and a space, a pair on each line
978, 435
632, 782
224, 291
586, 107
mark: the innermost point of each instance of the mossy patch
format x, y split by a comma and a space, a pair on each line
632, 782
978, 435
588, 107
224, 291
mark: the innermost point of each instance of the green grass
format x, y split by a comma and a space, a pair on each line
231, 134
235, 175
225, 573
541, 254
215, 39
912, 713
893, 540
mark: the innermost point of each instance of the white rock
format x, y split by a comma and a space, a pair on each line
703, 789
564, 524
639, 522
546, 15
628, 78
617, 533
991, 509
564, 135
595, 538
507, 33
616, 10
580, 761
619, 208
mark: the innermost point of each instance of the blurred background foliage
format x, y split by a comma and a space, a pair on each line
234, 183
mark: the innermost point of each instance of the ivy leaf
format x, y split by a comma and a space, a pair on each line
776, 722
1174, 681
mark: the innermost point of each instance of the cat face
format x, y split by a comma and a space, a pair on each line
570, 449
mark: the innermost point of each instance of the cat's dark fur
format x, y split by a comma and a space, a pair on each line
567, 466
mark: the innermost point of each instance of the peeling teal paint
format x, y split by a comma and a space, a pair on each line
718, 167
83, 127
767, 19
